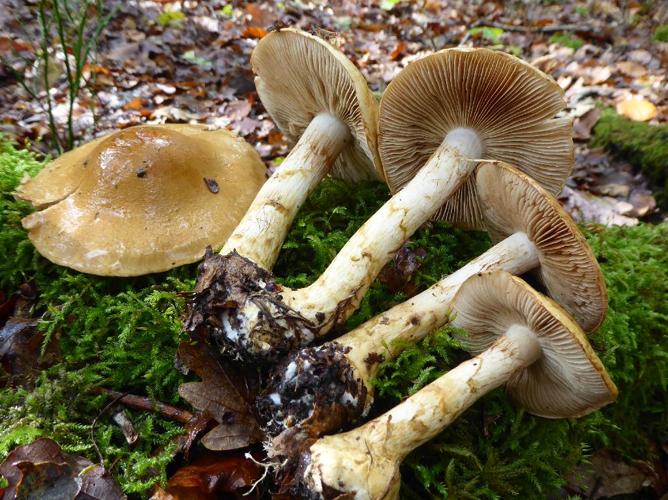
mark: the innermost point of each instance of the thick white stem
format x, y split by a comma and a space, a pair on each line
430, 410
386, 440
261, 232
413, 319
340, 288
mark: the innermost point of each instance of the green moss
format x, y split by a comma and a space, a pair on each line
661, 33
170, 18
570, 41
122, 334
644, 146
116, 333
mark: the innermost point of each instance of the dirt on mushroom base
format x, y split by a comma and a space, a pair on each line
122, 334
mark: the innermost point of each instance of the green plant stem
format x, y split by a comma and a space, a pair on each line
44, 28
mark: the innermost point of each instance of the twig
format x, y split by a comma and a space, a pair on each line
144, 403
92, 426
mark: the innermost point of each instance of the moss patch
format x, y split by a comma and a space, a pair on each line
644, 146
661, 33
122, 334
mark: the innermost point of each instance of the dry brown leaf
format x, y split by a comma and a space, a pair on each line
397, 275
632, 69
583, 124
254, 32
598, 74
398, 50
135, 104
212, 476
610, 476
637, 109
224, 393
20, 352
42, 470
586, 207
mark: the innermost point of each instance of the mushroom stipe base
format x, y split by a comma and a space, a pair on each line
290, 479
315, 389
240, 306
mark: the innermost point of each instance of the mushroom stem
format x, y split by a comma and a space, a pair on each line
421, 417
413, 319
365, 460
338, 291
355, 357
261, 232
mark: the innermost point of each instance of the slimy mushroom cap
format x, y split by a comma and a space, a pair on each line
143, 200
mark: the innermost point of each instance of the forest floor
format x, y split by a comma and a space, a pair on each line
169, 61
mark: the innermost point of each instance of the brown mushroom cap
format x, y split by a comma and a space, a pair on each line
145, 199
300, 76
568, 380
512, 202
62, 176
508, 103
59, 177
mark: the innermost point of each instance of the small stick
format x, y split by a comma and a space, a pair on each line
144, 403
118, 396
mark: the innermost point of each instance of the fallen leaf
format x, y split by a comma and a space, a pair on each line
20, 352
6, 307
165, 88
398, 50
42, 470
254, 32
586, 207
236, 110
640, 56
193, 429
582, 125
212, 476
397, 275
637, 109
608, 475
259, 16
643, 203
598, 74
224, 393
632, 69
121, 419
135, 104
229, 436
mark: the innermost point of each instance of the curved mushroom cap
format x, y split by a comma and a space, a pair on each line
300, 76
62, 176
508, 104
512, 202
146, 199
569, 379
59, 177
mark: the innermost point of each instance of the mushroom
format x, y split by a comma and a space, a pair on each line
142, 200
321, 101
480, 104
519, 338
318, 390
